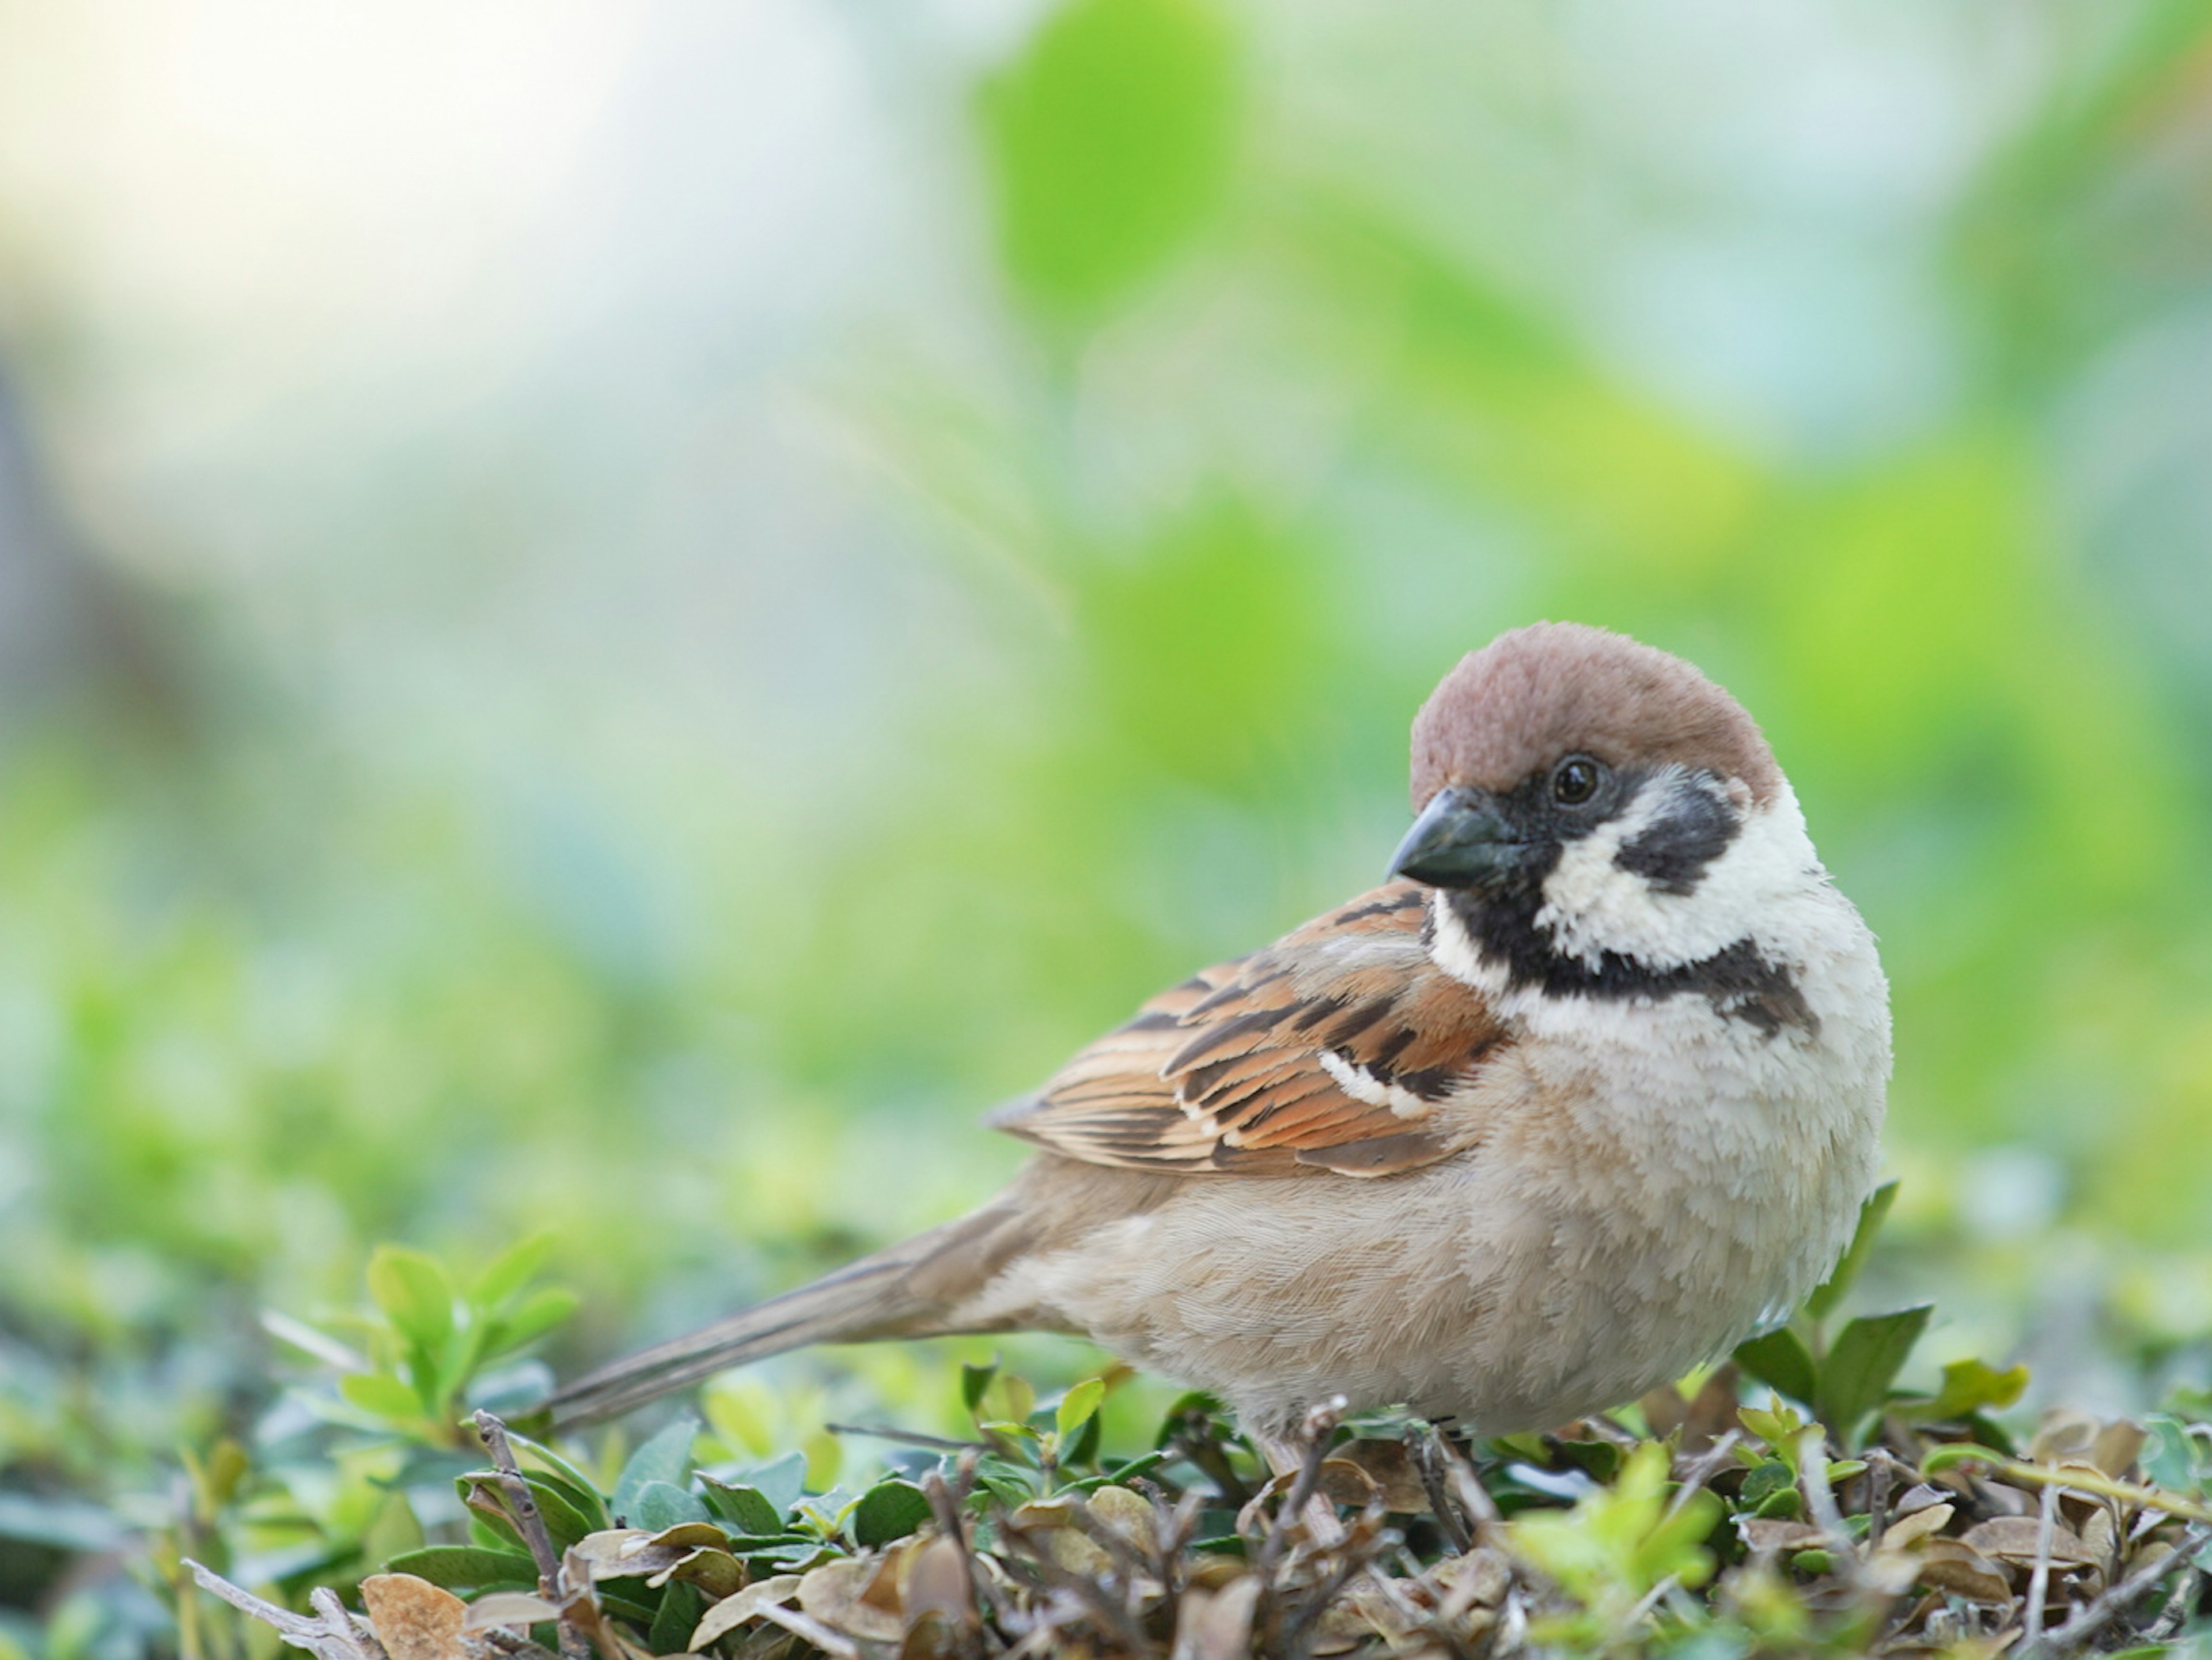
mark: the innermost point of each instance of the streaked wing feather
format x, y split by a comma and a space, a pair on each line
1326, 1051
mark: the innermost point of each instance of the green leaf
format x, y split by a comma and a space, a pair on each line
1076, 1406
660, 1504
465, 1567
974, 1381
667, 1456
1969, 1387
1822, 1303
1763, 1481
381, 1393
1780, 1359
510, 1272
780, 1481
412, 1290
536, 1314
1110, 139
1863, 1363
887, 1511
677, 1616
484, 1492
571, 1482
743, 1506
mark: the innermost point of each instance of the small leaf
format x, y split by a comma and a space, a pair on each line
1111, 138
1011, 1399
667, 1456
1078, 1404
486, 1494
510, 1271
465, 1567
1822, 1303
1864, 1362
1969, 1387
780, 1481
412, 1290
887, 1511
974, 1381
536, 1314
681, 1608
381, 1393
743, 1507
1780, 1359
660, 1505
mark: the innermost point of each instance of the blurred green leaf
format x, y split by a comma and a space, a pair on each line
1077, 1407
412, 1290
536, 1314
1780, 1358
511, 1270
1969, 1387
974, 1381
382, 1394
1109, 138
1862, 1364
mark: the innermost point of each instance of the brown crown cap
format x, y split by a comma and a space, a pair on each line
1551, 690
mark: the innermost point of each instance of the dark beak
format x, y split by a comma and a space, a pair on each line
1460, 841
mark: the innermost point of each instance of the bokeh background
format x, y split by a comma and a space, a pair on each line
616, 615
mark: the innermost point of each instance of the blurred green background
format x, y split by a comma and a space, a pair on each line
615, 616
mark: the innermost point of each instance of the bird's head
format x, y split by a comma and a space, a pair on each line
1584, 797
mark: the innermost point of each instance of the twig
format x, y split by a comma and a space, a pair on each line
522, 1505
908, 1437
2130, 1591
831, 1643
1320, 1421
332, 1635
2038, 1580
1423, 1444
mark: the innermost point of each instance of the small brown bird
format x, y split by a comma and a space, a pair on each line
1589, 1091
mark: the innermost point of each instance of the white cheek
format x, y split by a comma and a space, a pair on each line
1593, 907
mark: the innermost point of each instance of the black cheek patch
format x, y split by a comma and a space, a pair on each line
1672, 854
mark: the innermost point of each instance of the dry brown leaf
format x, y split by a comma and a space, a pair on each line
1479, 1578
1917, 1499
2013, 1539
838, 1594
1952, 1565
620, 1554
1767, 1534
734, 1611
1391, 1468
1217, 1625
1922, 1523
1212, 1571
1129, 1514
1343, 1482
413, 1618
712, 1570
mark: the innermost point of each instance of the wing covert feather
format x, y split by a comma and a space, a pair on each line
1338, 1048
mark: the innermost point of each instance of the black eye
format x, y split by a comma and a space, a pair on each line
1575, 779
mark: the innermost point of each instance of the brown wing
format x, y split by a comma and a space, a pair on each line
1336, 1046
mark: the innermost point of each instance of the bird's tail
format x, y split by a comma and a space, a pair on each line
893, 1293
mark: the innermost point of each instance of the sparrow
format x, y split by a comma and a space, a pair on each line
1588, 1091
